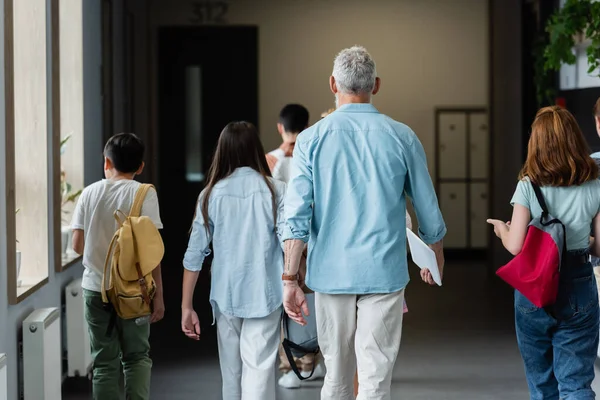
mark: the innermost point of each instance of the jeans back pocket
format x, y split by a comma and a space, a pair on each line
523, 305
583, 294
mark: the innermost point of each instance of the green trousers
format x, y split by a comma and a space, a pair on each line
128, 344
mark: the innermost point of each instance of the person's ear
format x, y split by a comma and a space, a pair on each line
107, 164
333, 85
377, 86
597, 118
280, 128
140, 169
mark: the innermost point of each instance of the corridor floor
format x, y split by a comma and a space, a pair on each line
458, 343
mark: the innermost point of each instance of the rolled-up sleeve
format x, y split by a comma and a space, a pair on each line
299, 196
199, 243
419, 188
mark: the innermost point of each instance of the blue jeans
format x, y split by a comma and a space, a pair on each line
559, 344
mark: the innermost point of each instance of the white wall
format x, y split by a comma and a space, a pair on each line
428, 53
50, 295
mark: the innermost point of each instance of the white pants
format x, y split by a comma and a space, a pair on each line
359, 331
247, 354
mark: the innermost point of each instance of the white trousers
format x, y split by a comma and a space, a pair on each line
361, 331
247, 354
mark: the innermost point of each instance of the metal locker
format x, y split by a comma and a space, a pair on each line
452, 145
478, 146
479, 214
453, 203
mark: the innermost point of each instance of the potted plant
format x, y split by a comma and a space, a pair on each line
18, 258
67, 196
577, 23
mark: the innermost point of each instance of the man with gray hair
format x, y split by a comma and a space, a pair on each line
351, 173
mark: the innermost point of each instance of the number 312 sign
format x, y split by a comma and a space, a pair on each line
208, 11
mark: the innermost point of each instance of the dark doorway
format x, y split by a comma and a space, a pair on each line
208, 76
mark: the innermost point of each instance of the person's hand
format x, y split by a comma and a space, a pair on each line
500, 227
294, 302
427, 277
438, 249
190, 324
158, 308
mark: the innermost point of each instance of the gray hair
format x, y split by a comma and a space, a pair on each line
354, 71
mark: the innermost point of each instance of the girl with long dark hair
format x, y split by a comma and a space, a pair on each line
240, 212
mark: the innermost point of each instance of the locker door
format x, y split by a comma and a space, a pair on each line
479, 145
453, 203
452, 145
479, 213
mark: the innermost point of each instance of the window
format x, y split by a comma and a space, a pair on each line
193, 124
26, 147
576, 76
67, 110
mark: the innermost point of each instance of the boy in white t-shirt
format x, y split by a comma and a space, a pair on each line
293, 119
93, 228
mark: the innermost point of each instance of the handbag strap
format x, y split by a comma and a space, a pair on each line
287, 348
540, 199
289, 345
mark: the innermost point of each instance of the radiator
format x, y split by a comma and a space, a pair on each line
42, 365
79, 355
3, 378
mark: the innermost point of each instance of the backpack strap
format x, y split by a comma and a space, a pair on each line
540, 199
136, 210
138, 201
106, 266
545, 213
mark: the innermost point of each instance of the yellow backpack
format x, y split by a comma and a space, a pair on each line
134, 252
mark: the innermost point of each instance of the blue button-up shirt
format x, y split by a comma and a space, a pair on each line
248, 257
346, 197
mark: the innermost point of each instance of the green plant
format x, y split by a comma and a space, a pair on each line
575, 19
66, 189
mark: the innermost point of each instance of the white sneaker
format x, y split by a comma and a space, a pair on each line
291, 381
319, 373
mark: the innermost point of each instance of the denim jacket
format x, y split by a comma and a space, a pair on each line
248, 257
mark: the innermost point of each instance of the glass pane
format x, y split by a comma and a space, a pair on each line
193, 123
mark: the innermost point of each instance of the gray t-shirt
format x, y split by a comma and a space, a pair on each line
575, 206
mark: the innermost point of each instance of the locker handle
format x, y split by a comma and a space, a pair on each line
484, 196
453, 196
452, 127
483, 127
442, 147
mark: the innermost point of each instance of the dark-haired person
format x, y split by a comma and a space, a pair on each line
93, 228
293, 119
240, 212
559, 344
